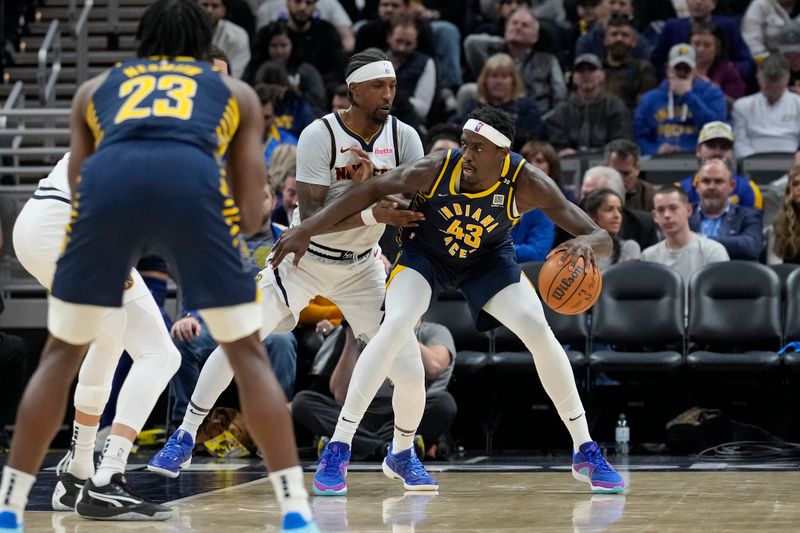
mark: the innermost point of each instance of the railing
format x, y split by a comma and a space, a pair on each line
15, 102
15, 113
46, 76
80, 29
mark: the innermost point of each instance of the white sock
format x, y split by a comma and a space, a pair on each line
14, 489
578, 428
193, 419
291, 492
115, 457
403, 440
81, 465
345, 429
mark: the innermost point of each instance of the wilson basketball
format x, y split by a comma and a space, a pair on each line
566, 291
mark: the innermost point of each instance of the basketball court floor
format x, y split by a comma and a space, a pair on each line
479, 494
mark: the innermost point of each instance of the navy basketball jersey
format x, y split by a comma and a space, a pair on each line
460, 227
176, 99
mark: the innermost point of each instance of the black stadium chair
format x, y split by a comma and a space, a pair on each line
766, 167
734, 319
664, 169
638, 320
792, 320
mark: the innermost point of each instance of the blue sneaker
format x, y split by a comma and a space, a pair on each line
295, 523
8, 522
590, 466
176, 454
332, 469
407, 466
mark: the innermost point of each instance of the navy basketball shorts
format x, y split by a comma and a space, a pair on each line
478, 279
140, 198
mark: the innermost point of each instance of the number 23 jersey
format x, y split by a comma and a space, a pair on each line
177, 99
462, 227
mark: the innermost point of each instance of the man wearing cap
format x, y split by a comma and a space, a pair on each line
344, 265
470, 199
768, 121
788, 45
670, 116
716, 142
591, 117
678, 30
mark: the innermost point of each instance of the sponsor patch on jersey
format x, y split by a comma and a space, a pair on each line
259, 277
498, 200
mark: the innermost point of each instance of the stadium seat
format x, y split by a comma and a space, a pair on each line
664, 169
734, 319
638, 320
472, 346
766, 167
792, 320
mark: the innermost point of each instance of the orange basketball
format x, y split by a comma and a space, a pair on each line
569, 292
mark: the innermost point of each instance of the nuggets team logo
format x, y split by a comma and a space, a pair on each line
259, 276
128, 285
498, 200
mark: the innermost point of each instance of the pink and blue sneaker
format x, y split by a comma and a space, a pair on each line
406, 465
332, 469
590, 466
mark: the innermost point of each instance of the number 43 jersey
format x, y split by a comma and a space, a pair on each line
179, 99
460, 227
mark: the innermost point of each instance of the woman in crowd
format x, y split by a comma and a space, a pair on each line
604, 206
784, 239
712, 66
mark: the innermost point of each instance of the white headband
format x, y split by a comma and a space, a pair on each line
371, 71
485, 130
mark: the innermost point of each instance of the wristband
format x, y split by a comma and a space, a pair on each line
368, 217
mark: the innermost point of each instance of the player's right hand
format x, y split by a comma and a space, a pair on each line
386, 212
292, 241
186, 329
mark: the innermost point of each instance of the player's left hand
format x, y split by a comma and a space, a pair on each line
292, 241
578, 248
387, 212
363, 169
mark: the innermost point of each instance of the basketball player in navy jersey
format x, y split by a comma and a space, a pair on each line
152, 139
470, 199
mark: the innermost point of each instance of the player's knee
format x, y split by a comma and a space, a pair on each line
91, 400
408, 372
172, 360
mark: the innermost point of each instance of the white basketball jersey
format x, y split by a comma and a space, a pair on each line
384, 152
57, 182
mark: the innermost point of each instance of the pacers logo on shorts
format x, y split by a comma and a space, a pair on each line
128, 285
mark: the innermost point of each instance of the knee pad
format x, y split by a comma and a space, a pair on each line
91, 400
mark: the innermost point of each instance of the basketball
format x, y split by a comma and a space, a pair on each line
569, 292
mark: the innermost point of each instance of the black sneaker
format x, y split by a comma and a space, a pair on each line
116, 501
67, 491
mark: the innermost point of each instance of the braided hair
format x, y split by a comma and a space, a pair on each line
174, 28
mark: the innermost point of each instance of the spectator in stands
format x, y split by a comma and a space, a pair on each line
670, 116
783, 243
447, 19
768, 121
716, 142
444, 136
626, 76
788, 45
712, 66
682, 249
276, 45
591, 117
678, 30
762, 23
416, 73
623, 156
281, 177
540, 71
317, 409
230, 38
270, 96
500, 85
637, 225
340, 100
195, 343
503, 9
534, 233
605, 208
737, 228
314, 41
292, 113
327, 10
593, 41
591, 13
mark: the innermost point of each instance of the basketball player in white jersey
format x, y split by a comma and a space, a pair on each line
343, 265
136, 327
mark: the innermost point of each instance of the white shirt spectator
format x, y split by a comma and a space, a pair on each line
234, 41
759, 127
699, 252
763, 20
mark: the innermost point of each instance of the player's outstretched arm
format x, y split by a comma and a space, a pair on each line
408, 178
537, 190
248, 171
